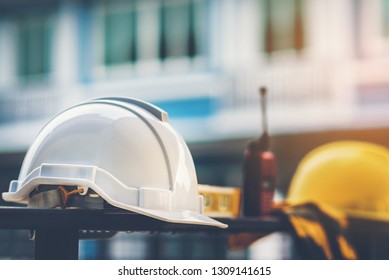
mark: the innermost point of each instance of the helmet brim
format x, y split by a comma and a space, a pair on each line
20, 190
177, 216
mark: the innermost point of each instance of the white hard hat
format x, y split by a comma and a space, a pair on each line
117, 150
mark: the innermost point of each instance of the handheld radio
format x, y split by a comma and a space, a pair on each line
259, 171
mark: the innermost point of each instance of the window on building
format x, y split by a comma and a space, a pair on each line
385, 18
182, 29
283, 25
153, 30
34, 44
120, 34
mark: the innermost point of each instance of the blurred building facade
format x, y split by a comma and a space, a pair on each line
325, 63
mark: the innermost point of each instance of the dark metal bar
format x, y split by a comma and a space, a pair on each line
120, 220
57, 230
56, 244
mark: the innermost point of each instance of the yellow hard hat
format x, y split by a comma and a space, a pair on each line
351, 176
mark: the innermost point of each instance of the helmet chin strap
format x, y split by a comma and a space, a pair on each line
64, 197
65, 194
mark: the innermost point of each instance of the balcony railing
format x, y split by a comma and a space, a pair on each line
288, 85
27, 106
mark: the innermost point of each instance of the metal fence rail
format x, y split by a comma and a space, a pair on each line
57, 230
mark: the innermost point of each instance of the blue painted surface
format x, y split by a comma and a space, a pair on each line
84, 21
188, 108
